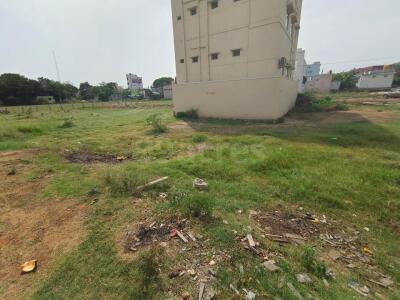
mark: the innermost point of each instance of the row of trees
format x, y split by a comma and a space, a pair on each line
19, 90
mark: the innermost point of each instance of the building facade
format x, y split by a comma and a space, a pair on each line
376, 80
300, 69
313, 70
235, 58
134, 82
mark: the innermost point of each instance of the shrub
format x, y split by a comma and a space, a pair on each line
189, 114
157, 124
149, 273
67, 124
122, 183
199, 138
311, 264
196, 205
28, 129
342, 106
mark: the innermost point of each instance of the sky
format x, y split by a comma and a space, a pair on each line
103, 40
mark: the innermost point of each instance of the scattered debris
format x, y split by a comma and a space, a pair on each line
234, 289
200, 184
295, 292
191, 272
185, 296
366, 229
303, 278
29, 266
251, 241
87, 158
383, 282
271, 266
12, 172
201, 290
326, 283
181, 236
334, 254
174, 274
362, 290
367, 251
212, 263
153, 183
249, 295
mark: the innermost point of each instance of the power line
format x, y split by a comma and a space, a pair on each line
57, 70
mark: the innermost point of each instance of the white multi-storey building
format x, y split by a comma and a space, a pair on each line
235, 58
134, 82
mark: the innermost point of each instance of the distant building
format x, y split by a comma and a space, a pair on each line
313, 70
235, 59
376, 80
300, 69
322, 83
134, 82
167, 91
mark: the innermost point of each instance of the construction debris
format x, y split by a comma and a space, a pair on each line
334, 254
271, 266
251, 241
362, 290
181, 236
185, 296
249, 295
383, 282
152, 183
201, 290
303, 278
29, 266
200, 184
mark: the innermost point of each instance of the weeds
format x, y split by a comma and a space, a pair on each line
157, 124
311, 264
199, 138
149, 277
308, 102
189, 114
122, 183
196, 205
30, 130
67, 124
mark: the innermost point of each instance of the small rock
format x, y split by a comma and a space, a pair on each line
250, 295
212, 263
295, 292
186, 296
334, 254
192, 272
326, 283
163, 244
200, 184
386, 282
271, 266
303, 278
366, 229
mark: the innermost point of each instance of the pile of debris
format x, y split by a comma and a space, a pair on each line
87, 158
156, 232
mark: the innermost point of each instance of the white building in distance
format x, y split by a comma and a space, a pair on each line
376, 80
134, 82
235, 58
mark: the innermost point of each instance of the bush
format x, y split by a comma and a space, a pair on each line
323, 104
122, 183
197, 205
157, 124
199, 138
342, 106
149, 273
308, 102
309, 262
189, 114
67, 124
31, 130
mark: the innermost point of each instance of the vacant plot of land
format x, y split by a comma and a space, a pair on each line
307, 208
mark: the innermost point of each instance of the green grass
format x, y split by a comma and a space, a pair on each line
339, 170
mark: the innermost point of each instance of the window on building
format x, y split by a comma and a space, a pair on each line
214, 56
195, 59
193, 11
236, 52
179, 18
214, 4
236, 0
182, 61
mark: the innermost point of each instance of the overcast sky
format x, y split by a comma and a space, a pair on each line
102, 40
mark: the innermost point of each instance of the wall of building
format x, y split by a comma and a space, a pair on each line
313, 69
237, 99
204, 42
319, 84
300, 69
376, 80
167, 92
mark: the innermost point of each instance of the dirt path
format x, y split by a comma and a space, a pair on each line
30, 227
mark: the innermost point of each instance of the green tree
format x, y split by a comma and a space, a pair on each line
86, 91
163, 81
18, 90
347, 79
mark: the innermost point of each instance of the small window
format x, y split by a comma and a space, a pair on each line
236, 52
182, 61
179, 18
214, 56
193, 11
195, 59
386, 76
214, 4
236, 0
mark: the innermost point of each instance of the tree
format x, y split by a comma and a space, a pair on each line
163, 81
347, 79
18, 90
86, 91
396, 82
104, 91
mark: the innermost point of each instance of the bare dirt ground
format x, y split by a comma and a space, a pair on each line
30, 228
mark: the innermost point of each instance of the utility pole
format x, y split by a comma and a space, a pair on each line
56, 64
